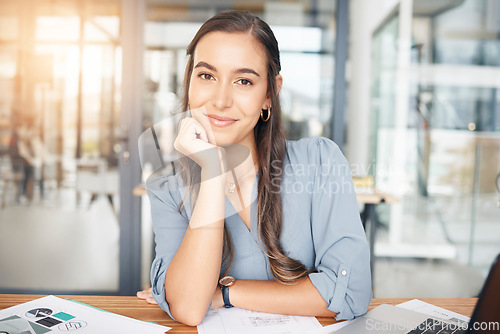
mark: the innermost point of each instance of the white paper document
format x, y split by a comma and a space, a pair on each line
235, 320
55, 315
433, 311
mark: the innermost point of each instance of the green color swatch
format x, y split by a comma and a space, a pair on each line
63, 316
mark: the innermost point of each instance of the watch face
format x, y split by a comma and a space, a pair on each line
227, 281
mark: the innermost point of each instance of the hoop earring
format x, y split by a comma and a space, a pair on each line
268, 115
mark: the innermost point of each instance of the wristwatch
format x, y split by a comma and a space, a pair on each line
224, 283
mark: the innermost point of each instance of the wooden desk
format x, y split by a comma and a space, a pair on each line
139, 309
376, 198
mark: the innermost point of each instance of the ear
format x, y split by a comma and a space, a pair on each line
279, 83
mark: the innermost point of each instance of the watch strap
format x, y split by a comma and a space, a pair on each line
225, 296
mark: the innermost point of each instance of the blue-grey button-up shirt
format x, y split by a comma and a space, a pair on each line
321, 228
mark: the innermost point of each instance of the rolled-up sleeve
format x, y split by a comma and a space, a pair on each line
342, 261
169, 227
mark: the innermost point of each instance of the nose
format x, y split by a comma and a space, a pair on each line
222, 96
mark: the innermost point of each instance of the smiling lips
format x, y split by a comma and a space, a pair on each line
220, 121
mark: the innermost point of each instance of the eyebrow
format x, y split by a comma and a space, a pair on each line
206, 65
239, 70
246, 70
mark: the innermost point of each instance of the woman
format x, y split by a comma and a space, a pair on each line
275, 231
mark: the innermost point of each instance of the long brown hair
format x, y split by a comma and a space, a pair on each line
270, 142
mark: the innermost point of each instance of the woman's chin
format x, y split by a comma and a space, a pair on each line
224, 139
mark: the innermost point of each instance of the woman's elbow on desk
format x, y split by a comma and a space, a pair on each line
190, 315
187, 315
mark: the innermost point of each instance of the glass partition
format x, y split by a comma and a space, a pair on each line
60, 78
453, 131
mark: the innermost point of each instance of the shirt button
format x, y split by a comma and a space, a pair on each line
157, 266
344, 272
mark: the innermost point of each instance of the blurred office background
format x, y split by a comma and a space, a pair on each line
408, 89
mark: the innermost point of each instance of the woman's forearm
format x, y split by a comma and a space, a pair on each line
274, 297
192, 275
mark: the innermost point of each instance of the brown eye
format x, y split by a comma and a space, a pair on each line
205, 76
244, 82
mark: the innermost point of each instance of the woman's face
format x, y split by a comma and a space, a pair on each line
228, 87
